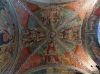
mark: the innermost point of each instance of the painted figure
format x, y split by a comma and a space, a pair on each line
51, 54
94, 47
27, 36
71, 34
40, 35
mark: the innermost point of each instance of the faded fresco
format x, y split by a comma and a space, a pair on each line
52, 34
49, 38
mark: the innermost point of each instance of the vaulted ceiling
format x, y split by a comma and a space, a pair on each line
49, 36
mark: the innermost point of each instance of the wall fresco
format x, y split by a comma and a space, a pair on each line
90, 37
8, 37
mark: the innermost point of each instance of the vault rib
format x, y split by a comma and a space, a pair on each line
33, 15
87, 2
36, 50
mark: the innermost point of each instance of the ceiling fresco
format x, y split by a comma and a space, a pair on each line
50, 36
8, 37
